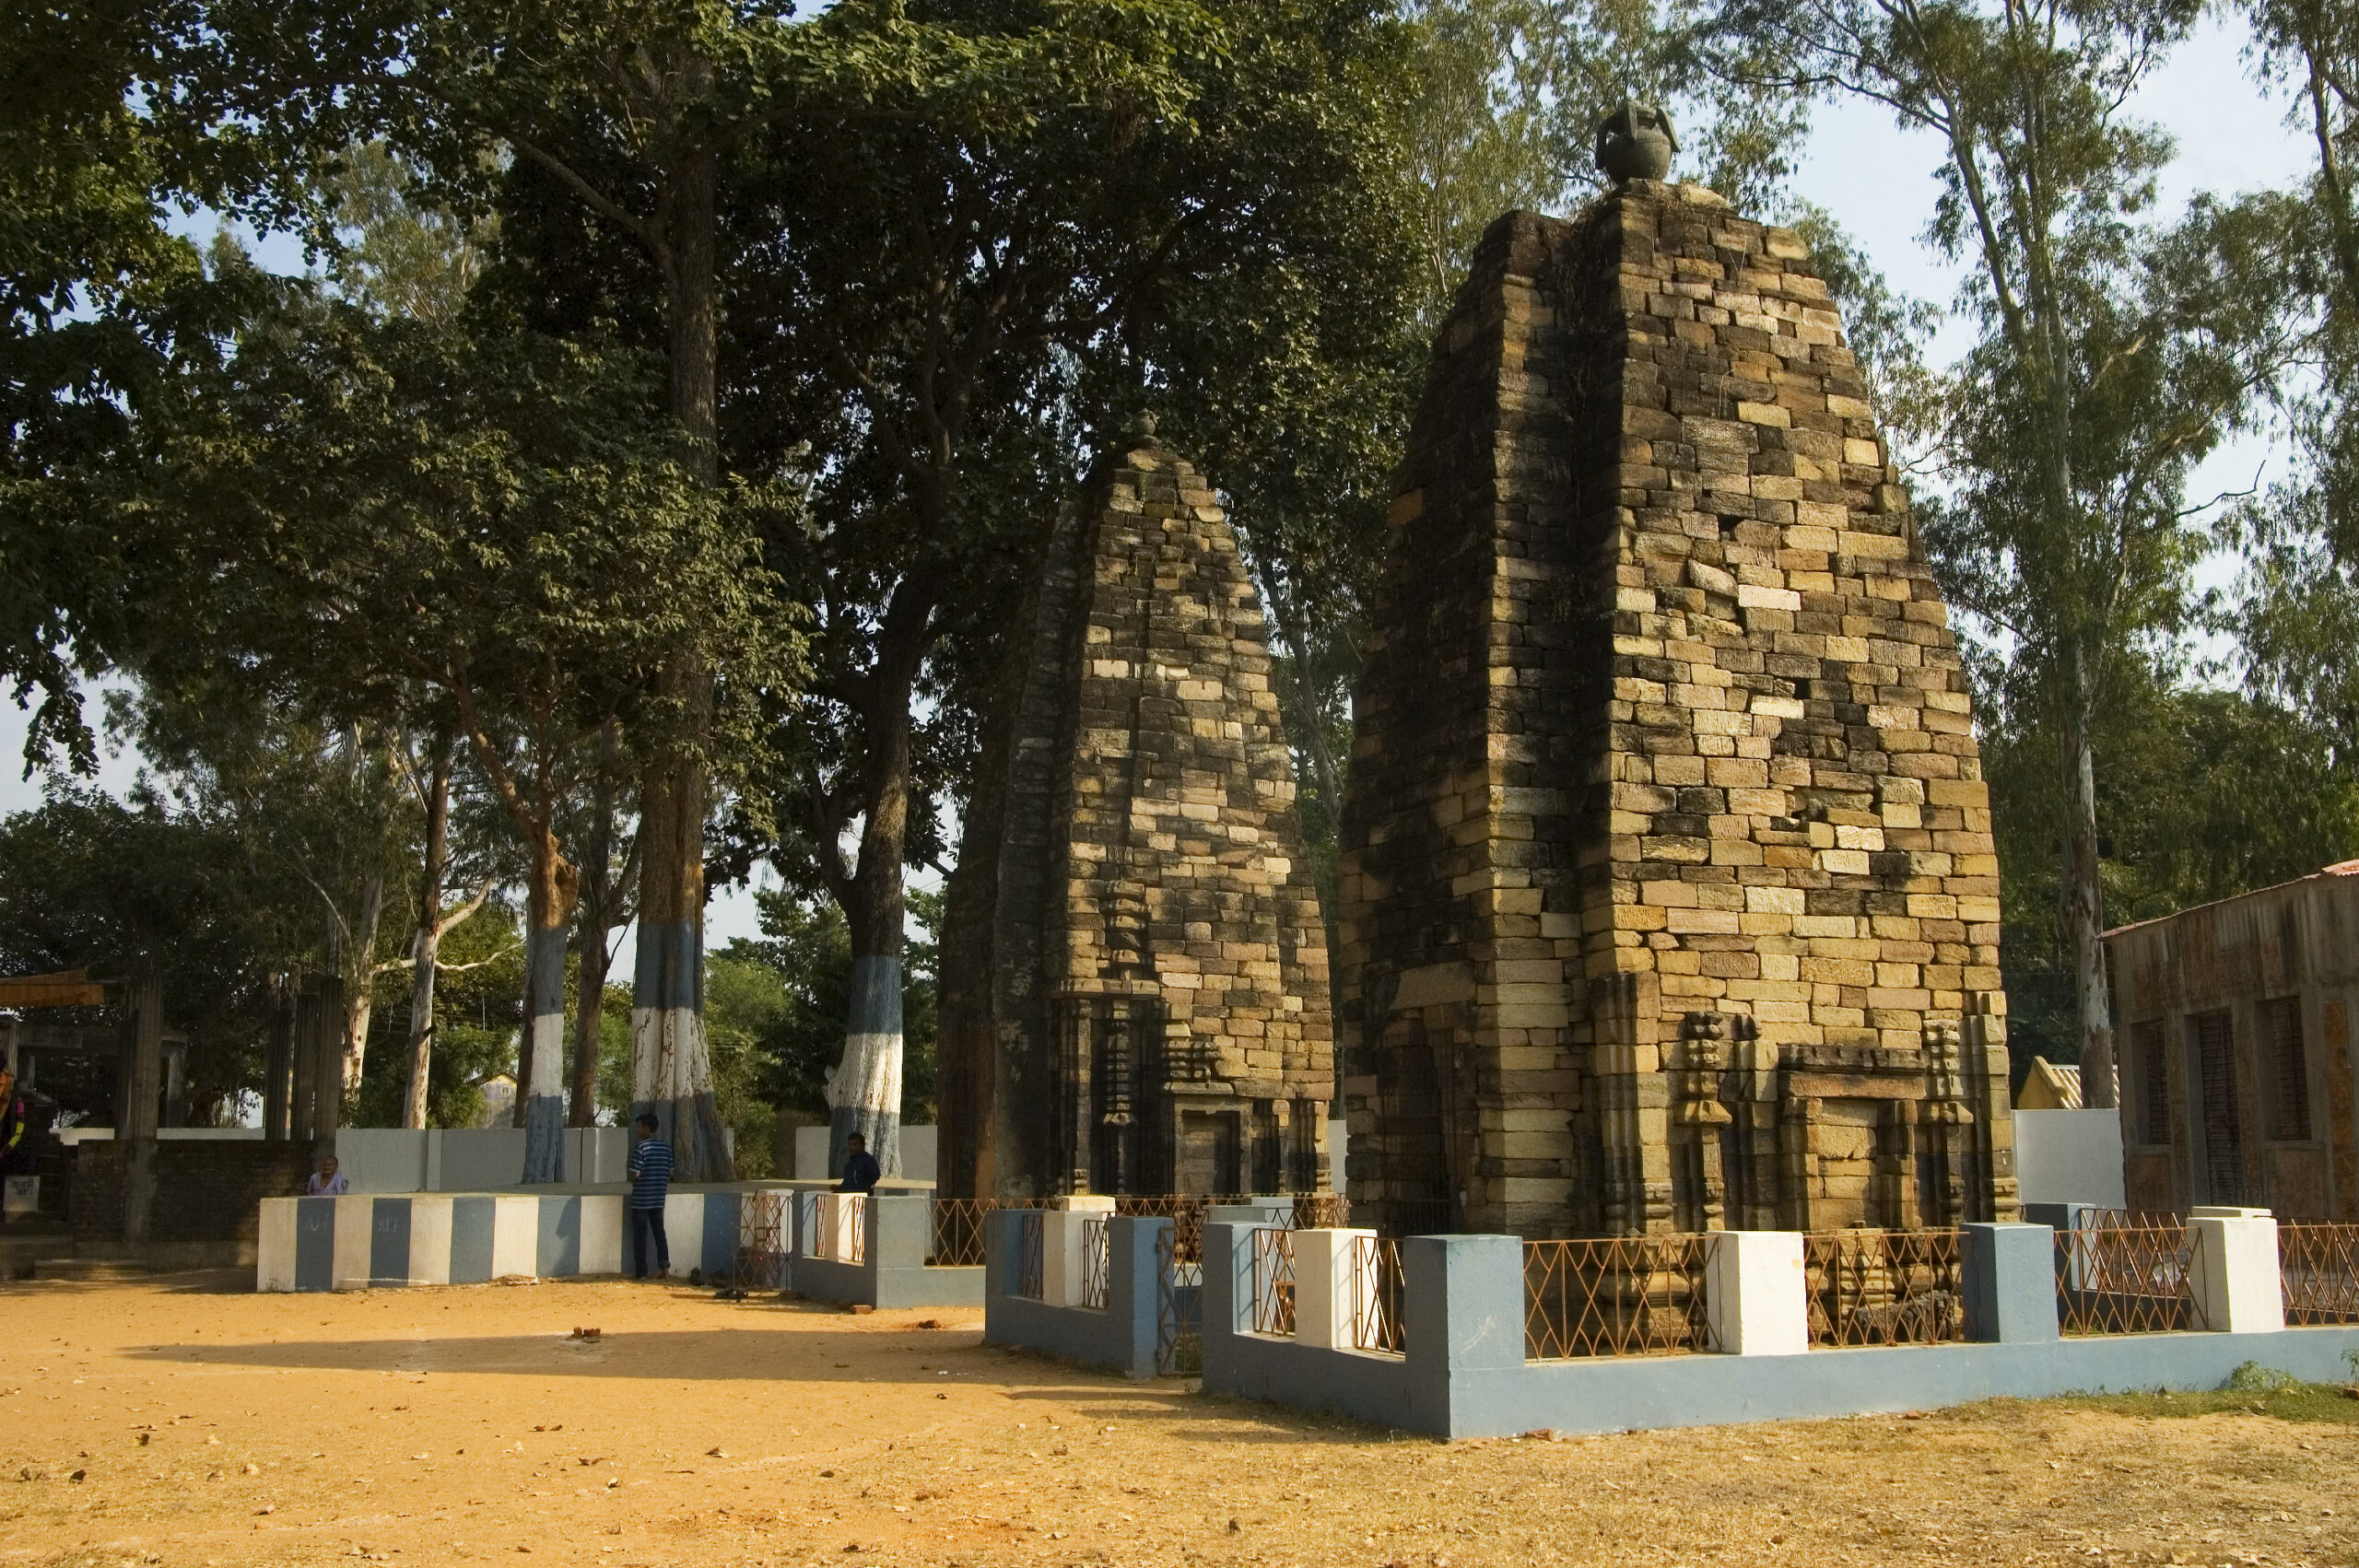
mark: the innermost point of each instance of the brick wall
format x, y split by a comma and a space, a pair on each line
1135, 970
207, 1191
1669, 894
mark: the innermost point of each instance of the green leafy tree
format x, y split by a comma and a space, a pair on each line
90, 881
96, 294
639, 117
478, 1023
500, 520
2296, 615
320, 811
965, 305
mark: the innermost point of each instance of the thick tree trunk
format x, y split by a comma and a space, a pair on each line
590, 967
671, 1066
590, 934
865, 1091
426, 943
549, 906
671, 1063
358, 990
2083, 891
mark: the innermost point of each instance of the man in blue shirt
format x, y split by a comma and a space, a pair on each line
861, 1172
651, 1180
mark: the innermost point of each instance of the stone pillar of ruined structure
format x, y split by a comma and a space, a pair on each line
1669, 897
1134, 989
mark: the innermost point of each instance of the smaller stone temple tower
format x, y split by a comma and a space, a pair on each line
1134, 971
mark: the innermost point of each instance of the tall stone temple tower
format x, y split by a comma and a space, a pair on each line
1669, 897
1134, 968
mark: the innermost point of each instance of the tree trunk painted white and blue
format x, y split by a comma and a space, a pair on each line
670, 1065
865, 1091
543, 1047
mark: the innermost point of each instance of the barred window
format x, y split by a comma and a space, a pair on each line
2148, 1061
2213, 1109
2286, 1069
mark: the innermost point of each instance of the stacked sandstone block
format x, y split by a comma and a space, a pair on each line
1669, 894
1135, 971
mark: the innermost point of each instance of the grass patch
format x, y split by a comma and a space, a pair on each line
2325, 1403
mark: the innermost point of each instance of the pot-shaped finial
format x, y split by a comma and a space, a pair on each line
1636, 142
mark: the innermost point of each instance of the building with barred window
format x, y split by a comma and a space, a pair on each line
2233, 1028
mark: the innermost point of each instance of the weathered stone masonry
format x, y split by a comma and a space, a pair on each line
1669, 899
1135, 969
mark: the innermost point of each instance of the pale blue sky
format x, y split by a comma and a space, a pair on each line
1877, 181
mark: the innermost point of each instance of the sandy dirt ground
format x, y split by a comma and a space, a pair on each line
185, 1420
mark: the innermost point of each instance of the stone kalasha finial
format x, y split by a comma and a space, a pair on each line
1636, 142
1144, 425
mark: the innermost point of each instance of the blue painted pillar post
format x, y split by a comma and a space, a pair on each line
1461, 1308
1229, 1280
1133, 1286
2009, 1276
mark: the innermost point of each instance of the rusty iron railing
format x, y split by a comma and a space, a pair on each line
1097, 1260
1031, 1253
840, 1227
1884, 1287
2318, 1266
959, 1227
1376, 1294
1615, 1296
1321, 1211
1178, 1309
959, 1222
1272, 1280
2125, 1273
1185, 1212
762, 1236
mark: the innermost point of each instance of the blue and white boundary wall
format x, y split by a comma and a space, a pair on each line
1464, 1374
357, 1242
1463, 1371
1117, 1337
846, 1247
870, 1250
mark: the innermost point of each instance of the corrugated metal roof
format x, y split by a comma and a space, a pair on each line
2062, 1085
2341, 868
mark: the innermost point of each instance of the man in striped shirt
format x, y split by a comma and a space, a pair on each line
651, 1178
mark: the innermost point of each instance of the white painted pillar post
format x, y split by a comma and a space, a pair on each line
355, 1221
1324, 1265
1755, 1292
1060, 1257
2232, 1270
275, 1245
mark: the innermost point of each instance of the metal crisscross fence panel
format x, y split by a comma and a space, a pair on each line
1031, 1253
1321, 1211
1884, 1287
1272, 1280
1186, 1214
840, 1227
1096, 1261
1615, 1296
2318, 1266
2121, 1273
762, 1237
959, 1234
1178, 1308
1376, 1294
